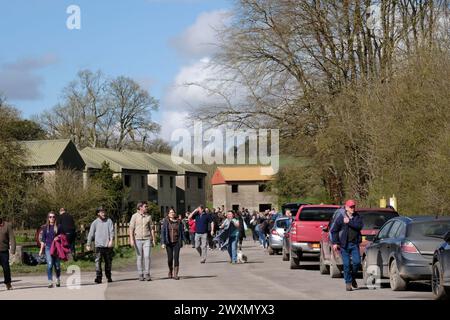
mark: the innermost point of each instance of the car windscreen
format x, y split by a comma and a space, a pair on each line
316, 214
376, 219
426, 229
281, 223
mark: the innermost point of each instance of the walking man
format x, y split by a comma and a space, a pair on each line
142, 236
102, 232
346, 237
68, 228
7, 245
202, 220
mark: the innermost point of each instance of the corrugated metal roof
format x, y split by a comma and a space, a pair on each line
181, 168
44, 153
151, 163
118, 161
246, 173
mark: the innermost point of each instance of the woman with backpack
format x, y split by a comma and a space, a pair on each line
48, 233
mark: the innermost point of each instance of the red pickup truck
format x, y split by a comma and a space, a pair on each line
303, 238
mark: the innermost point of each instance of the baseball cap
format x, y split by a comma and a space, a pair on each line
350, 203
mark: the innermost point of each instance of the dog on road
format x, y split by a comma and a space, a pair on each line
241, 257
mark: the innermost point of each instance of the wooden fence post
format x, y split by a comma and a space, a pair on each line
116, 235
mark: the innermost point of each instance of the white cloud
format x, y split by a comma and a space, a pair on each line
198, 43
201, 38
181, 98
19, 81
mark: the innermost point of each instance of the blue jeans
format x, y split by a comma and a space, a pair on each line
232, 247
350, 251
262, 236
52, 262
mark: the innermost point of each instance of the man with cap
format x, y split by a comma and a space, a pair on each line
346, 237
102, 232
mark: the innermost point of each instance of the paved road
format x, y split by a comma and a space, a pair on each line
263, 277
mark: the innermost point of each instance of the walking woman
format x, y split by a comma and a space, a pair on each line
172, 237
48, 233
231, 224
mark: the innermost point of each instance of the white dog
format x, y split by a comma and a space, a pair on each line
241, 257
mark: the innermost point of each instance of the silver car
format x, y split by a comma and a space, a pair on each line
276, 235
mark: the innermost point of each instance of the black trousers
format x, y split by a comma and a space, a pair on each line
103, 254
4, 261
173, 254
71, 237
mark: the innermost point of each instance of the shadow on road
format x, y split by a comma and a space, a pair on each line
195, 277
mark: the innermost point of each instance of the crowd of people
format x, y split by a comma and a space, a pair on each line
204, 229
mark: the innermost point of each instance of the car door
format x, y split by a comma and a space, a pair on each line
391, 244
325, 239
446, 262
374, 251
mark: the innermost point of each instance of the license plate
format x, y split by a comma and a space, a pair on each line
316, 245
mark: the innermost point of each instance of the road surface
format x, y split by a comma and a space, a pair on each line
263, 277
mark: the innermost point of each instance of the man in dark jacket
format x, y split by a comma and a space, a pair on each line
67, 224
346, 237
7, 246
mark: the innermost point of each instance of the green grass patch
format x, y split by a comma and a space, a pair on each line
124, 257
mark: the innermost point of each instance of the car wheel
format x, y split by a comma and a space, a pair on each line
369, 280
270, 250
323, 268
285, 255
396, 281
335, 271
294, 262
439, 291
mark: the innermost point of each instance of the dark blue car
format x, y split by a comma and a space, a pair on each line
403, 250
440, 277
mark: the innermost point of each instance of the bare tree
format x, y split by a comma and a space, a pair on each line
132, 108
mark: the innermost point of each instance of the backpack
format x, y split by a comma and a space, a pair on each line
340, 211
28, 259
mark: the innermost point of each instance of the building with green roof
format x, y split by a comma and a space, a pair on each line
44, 157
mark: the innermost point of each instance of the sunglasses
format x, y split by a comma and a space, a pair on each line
352, 207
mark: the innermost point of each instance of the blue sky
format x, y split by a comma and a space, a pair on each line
152, 41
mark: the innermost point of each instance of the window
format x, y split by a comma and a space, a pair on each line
384, 231
200, 183
316, 214
234, 188
127, 180
376, 219
171, 182
143, 182
264, 206
162, 211
161, 181
262, 187
281, 223
188, 182
394, 230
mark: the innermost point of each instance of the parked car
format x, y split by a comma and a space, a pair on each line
440, 276
303, 238
276, 235
373, 220
293, 206
403, 250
